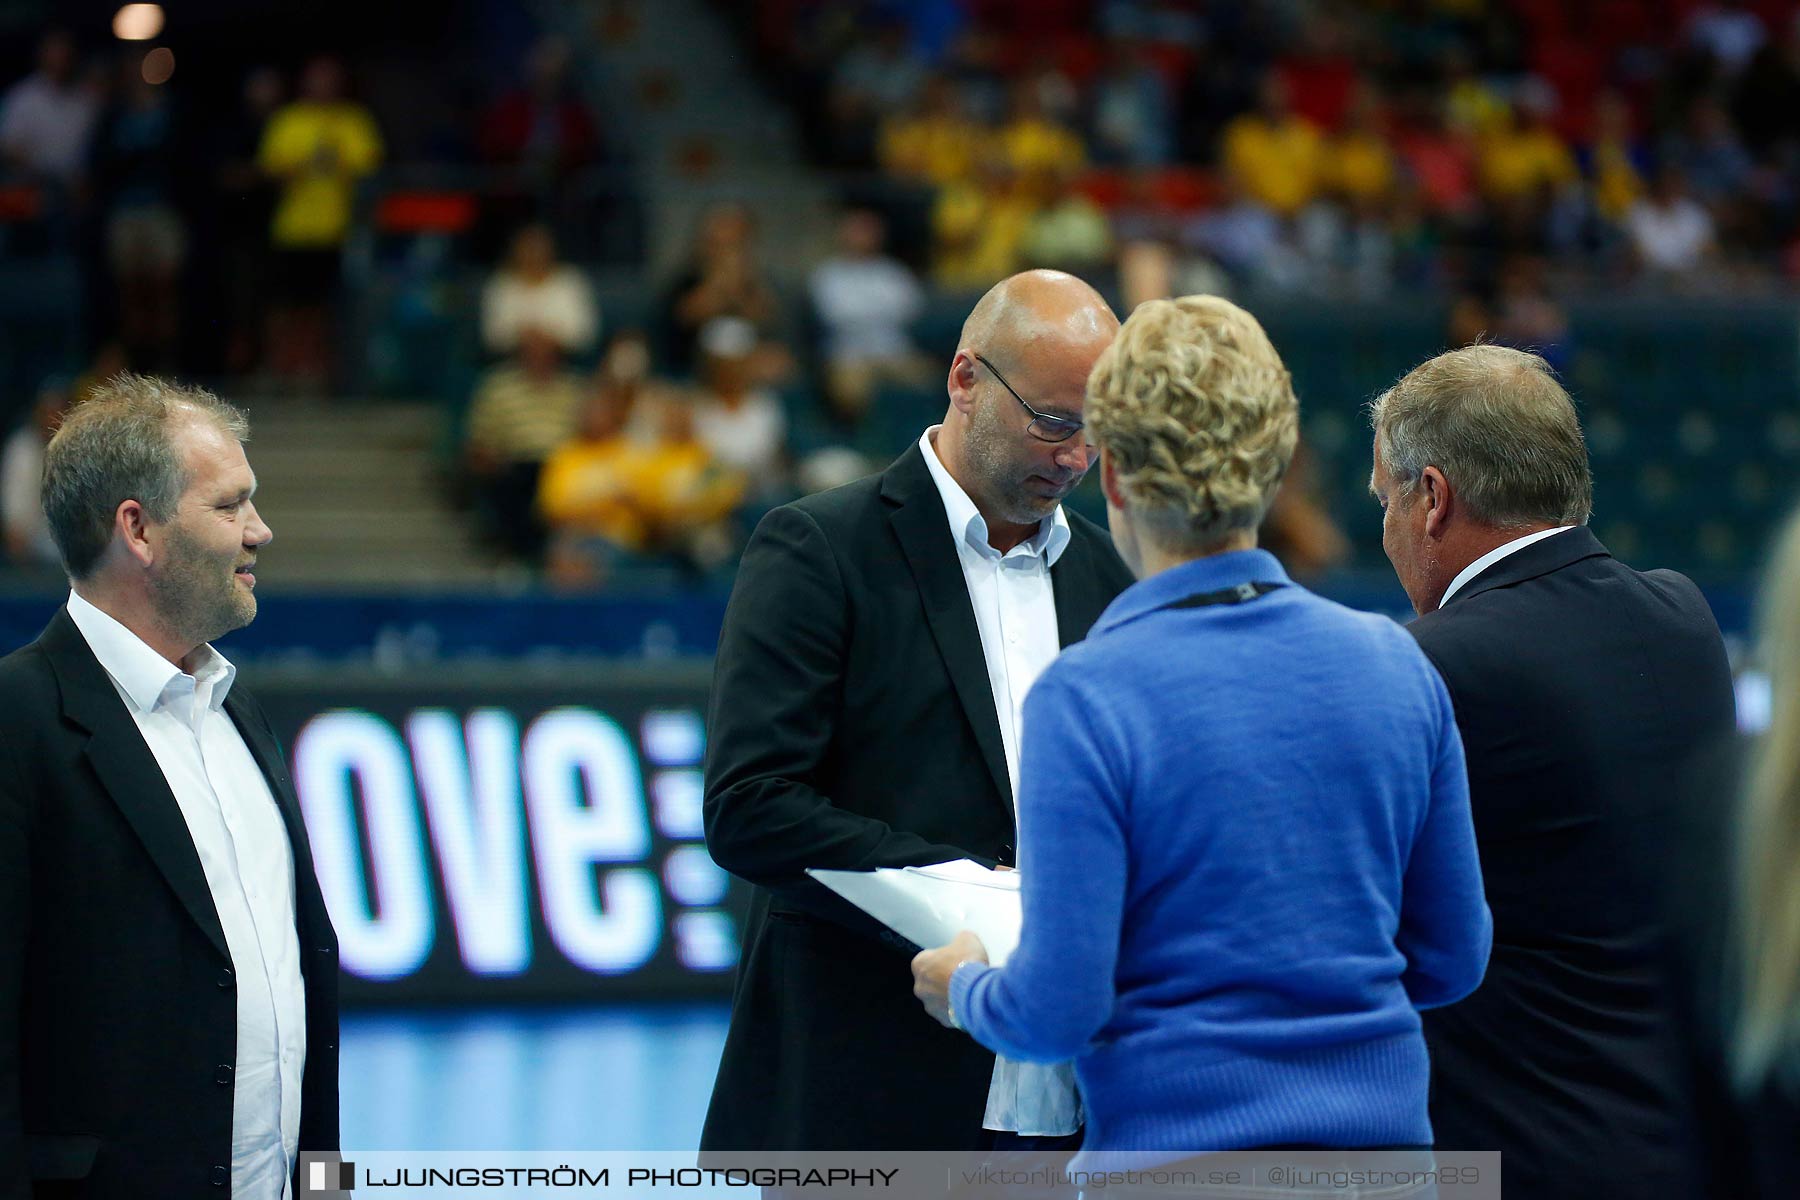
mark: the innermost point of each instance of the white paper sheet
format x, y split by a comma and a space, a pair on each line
930, 905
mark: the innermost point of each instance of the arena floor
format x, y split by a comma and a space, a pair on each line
614, 1078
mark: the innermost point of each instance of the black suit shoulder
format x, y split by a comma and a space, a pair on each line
1596, 578
1596, 613
29, 683
840, 508
1473, 643
1680, 593
836, 524
25, 679
26, 671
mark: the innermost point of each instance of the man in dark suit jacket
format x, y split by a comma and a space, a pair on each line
1592, 701
168, 972
854, 724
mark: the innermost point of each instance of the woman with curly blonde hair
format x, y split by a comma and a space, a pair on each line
1249, 855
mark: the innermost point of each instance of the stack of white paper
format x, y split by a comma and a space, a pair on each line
930, 905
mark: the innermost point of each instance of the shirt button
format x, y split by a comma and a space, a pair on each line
221, 1176
223, 1074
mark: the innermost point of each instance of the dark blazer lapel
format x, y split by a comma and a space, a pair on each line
267, 754
253, 727
1080, 587
923, 531
1540, 558
129, 771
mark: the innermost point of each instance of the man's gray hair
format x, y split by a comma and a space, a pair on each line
1499, 426
117, 445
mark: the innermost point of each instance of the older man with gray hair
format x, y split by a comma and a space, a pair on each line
1588, 695
168, 972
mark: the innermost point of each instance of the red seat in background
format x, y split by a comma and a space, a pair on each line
425, 212
20, 202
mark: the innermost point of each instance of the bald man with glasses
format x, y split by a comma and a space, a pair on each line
1044, 426
865, 713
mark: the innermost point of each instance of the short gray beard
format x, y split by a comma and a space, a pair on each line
985, 445
189, 603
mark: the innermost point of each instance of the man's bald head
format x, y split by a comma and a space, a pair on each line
1030, 342
1037, 310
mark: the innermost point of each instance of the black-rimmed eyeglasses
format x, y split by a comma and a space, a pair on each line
1043, 427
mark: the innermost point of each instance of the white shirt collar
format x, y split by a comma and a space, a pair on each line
967, 524
140, 673
1493, 556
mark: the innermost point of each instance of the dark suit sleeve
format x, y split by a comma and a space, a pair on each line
15, 902
1446, 930
776, 697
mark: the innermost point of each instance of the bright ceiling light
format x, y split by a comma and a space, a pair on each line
138, 22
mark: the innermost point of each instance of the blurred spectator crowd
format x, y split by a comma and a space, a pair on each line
1313, 145
656, 462
654, 455
1493, 155
207, 208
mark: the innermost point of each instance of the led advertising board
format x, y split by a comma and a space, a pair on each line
510, 834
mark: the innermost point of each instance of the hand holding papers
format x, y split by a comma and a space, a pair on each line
928, 906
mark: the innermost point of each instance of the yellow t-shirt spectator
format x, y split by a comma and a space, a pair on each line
318, 151
979, 232
1517, 162
1617, 183
1359, 165
1033, 144
635, 494
1276, 165
937, 150
1476, 107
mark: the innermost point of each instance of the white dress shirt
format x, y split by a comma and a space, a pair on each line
1493, 556
1015, 612
244, 851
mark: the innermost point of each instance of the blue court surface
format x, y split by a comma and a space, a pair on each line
622, 1077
